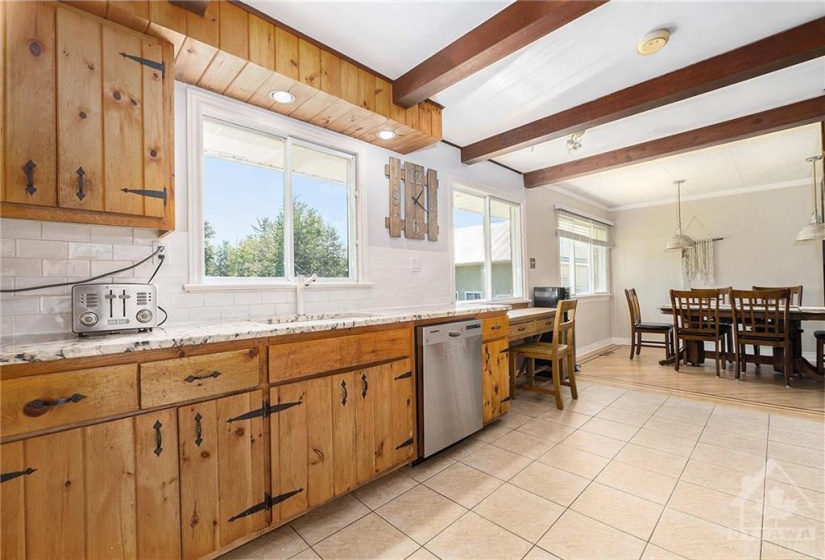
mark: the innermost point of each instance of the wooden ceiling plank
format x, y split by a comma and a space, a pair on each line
757, 124
514, 27
773, 53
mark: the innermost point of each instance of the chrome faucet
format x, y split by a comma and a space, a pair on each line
300, 289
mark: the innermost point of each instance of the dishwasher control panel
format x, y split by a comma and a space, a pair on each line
444, 332
98, 308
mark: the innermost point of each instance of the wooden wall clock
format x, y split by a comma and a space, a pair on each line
417, 187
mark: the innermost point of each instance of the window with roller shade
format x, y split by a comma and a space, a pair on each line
584, 245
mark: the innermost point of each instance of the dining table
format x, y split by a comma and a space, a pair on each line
796, 315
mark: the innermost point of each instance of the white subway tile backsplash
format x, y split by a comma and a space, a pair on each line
63, 267
218, 298
235, 312
131, 252
34, 324
6, 325
112, 234
21, 267
56, 304
92, 251
6, 248
66, 232
145, 236
274, 297
29, 282
107, 267
247, 298
19, 305
203, 313
20, 229
40, 248
262, 310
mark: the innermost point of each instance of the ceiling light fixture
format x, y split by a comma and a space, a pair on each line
653, 42
281, 96
386, 134
815, 230
679, 240
575, 141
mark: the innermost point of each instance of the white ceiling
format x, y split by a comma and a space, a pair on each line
587, 59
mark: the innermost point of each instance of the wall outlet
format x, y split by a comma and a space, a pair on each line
163, 251
415, 264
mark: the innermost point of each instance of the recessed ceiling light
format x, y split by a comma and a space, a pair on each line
653, 42
280, 96
386, 134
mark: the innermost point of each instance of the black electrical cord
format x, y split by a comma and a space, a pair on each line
160, 263
165, 315
110, 273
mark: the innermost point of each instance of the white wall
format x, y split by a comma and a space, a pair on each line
43, 252
758, 248
593, 327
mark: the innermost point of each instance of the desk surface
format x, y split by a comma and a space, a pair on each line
530, 313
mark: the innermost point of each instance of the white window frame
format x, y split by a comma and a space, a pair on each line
517, 251
200, 104
591, 280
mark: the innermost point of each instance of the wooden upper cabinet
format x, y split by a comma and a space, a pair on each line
89, 118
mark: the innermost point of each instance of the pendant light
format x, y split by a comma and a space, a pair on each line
816, 229
679, 240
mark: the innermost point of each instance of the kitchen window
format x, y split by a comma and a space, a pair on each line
583, 252
487, 248
273, 207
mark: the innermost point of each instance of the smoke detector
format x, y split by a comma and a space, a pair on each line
653, 42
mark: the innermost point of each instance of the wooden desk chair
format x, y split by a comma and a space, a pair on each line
696, 319
639, 328
761, 319
563, 347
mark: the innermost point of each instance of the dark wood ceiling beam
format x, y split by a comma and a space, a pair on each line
514, 27
794, 46
773, 120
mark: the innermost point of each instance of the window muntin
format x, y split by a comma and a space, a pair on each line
274, 207
583, 253
486, 237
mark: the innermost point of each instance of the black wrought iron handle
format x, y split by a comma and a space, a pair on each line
12, 475
366, 385
39, 407
80, 183
192, 378
29, 169
344, 393
158, 438
198, 429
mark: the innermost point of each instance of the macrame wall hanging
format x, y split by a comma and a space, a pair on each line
698, 261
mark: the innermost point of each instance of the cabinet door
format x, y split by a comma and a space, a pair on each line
403, 411
30, 103
221, 472
495, 380
91, 492
302, 446
344, 428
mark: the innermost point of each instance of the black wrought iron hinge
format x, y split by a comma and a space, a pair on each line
405, 444
151, 194
12, 475
146, 62
505, 399
265, 410
266, 504
405, 375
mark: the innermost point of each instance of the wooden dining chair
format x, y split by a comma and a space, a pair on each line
562, 348
696, 319
796, 292
638, 328
725, 325
761, 319
820, 351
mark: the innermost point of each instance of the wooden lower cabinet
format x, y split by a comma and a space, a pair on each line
103, 491
330, 434
495, 379
221, 472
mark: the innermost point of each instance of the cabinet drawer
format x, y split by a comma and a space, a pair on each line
300, 359
186, 379
494, 327
520, 330
545, 325
36, 403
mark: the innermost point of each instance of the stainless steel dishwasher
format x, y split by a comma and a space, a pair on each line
450, 383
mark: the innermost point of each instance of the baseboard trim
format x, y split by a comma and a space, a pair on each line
584, 352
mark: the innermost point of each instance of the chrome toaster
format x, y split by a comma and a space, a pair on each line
98, 308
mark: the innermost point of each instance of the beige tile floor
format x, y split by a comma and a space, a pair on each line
618, 474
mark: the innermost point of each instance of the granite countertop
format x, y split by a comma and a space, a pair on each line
42, 348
